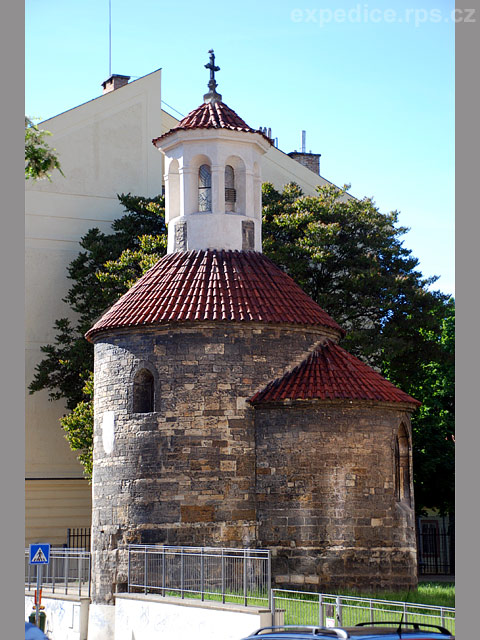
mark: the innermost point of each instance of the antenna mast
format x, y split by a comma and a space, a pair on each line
109, 38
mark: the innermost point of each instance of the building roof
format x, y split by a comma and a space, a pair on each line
212, 115
331, 373
236, 286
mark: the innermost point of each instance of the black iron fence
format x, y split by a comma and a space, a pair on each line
436, 553
78, 538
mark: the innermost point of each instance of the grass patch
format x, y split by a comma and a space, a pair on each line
438, 594
303, 608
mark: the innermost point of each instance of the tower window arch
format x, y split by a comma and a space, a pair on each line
204, 188
230, 191
402, 466
143, 392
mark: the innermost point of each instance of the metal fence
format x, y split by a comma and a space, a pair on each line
327, 610
223, 574
79, 538
67, 572
436, 555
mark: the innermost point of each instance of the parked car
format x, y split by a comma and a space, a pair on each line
33, 633
364, 631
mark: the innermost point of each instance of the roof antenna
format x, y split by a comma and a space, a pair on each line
109, 38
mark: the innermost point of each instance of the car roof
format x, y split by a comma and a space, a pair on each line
365, 632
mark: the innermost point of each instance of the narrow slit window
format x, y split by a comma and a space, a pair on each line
204, 188
230, 192
143, 392
402, 467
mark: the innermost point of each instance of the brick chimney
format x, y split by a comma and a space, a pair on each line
115, 81
309, 160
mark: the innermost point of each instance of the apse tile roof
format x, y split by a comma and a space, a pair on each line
331, 373
214, 285
212, 115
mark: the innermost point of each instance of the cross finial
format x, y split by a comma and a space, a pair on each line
212, 95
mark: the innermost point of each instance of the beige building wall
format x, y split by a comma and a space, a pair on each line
105, 147
279, 169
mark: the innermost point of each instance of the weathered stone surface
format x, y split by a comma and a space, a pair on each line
314, 483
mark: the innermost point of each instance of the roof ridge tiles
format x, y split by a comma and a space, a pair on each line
314, 378
217, 115
213, 285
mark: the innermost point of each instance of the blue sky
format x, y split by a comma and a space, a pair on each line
372, 83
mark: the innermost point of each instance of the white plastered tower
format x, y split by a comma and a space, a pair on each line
213, 179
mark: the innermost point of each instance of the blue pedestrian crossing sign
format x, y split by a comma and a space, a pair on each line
39, 553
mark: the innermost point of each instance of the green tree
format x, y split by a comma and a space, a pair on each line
78, 427
69, 360
433, 423
350, 259
66, 370
343, 252
40, 159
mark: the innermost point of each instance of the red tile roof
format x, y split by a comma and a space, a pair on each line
212, 115
331, 373
214, 285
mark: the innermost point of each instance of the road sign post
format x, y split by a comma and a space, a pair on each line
37, 606
39, 555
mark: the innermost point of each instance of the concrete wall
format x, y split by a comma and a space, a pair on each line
53, 506
279, 169
67, 616
140, 617
147, 617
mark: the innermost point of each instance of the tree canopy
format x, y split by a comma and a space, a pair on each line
346, 254
40, 159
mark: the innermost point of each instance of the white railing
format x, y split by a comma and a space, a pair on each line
322, 609
224, 574
67, 572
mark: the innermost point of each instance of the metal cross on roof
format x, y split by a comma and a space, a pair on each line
211, 65
212, 95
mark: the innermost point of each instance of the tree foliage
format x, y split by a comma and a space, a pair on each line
433, 423
78, 427
68, 362
40, 159
344, 253
350, 259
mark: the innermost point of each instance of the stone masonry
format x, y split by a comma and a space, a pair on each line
325, 495
184, 474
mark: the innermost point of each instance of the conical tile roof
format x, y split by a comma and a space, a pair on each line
236, 286
212, 115
331, 373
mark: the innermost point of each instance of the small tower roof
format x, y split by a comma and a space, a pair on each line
212, 115
235, 286
331, 373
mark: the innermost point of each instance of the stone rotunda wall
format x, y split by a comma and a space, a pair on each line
185, 473
326, 498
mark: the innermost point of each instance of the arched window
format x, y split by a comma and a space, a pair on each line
143, 392
402, 466
230, 192
204, 188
